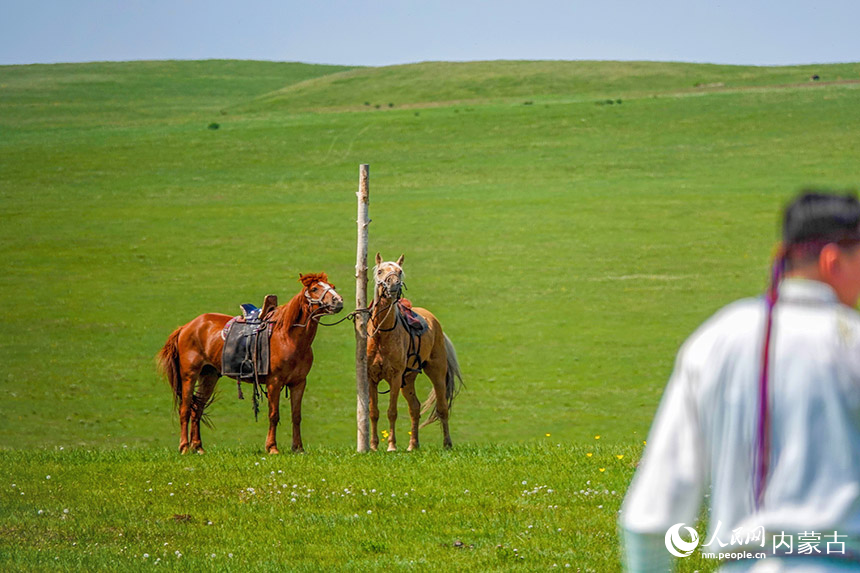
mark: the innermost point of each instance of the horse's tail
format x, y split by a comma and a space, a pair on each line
452, 388
168, 364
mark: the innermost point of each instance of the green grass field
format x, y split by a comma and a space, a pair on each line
567, 244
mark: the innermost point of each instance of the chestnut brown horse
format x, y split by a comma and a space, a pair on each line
397, 355
191, 360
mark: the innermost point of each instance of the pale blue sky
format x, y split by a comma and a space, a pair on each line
391, 32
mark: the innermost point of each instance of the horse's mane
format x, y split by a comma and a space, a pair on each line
311, 278
279, 315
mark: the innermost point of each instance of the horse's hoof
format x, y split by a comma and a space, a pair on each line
298, 450
412, 448
273, 451
392, 448
374, 447
447, 445
183, 449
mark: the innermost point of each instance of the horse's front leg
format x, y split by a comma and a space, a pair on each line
274, 389
394, 385
373, 410
296, 393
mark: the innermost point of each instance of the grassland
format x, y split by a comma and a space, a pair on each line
479, 508
567, 244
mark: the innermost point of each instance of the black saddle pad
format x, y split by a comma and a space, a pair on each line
246, 347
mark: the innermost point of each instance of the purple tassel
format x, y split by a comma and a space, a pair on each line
763, 439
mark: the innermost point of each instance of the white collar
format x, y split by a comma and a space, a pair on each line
806, 290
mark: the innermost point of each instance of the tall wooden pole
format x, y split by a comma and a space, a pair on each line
361, 385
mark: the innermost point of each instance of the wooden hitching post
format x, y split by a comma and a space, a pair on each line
361, 384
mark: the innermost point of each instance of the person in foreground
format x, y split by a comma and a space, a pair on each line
761, 416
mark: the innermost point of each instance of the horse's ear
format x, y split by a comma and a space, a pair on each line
400, 261
378, 258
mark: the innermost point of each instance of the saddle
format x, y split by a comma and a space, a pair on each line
246, 341
411, 320
415, 325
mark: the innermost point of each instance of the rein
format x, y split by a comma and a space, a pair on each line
311, 316
387, 311
350, 316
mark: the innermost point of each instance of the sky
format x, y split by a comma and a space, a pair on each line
386, 32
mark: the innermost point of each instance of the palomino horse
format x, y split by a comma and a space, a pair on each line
192, 358
397, 355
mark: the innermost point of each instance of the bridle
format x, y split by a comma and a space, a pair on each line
393, 292
323, 308
319, 300
389, 290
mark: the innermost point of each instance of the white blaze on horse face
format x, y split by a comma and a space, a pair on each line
335, 300
327, 288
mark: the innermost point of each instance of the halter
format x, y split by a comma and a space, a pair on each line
324, 306
387, 293
382, 281
319, 300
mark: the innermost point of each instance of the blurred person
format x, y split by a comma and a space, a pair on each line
761, 416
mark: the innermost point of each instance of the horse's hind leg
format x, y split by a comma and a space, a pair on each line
205, 388
185, 407
437, 370
296, 393
414, 409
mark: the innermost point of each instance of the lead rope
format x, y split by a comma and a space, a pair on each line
763, 436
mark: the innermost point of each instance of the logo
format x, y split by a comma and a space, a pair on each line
677, 546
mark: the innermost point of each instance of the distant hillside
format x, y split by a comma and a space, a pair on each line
75, 94
433, 83
68, 93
